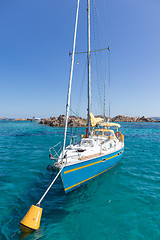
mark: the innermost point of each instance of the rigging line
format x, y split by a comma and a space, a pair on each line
93, 68
81, 89
76, 115
101, 67
109, 79
100, 21
107, 84
96, 41
106, 20
105, 89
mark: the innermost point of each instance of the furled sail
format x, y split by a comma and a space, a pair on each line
94, 120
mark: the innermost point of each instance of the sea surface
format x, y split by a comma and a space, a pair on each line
122, 204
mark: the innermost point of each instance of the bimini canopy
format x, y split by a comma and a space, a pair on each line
110, 124
95, 121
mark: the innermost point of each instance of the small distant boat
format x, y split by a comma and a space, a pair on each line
35, 119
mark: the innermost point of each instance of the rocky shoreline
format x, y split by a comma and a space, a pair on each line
74, 121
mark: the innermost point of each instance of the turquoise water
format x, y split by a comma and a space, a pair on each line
123, 203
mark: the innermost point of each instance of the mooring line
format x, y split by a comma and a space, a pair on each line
49, 187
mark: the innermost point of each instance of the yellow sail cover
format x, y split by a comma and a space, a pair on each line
95, 121
110, 124
100, 121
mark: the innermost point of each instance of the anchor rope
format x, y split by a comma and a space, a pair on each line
49, 187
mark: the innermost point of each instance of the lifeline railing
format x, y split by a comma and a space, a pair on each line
55, 155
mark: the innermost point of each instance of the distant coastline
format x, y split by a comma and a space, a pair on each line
13, 119
74, 121
156, 118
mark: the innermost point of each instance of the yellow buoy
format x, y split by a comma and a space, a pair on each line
32, 219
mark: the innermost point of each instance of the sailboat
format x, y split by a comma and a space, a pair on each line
100, 149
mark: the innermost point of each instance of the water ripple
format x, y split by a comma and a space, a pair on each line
122, 204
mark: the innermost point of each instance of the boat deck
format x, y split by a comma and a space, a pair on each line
89, 148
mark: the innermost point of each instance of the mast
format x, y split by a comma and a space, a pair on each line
105, 93
89, 68
70, 78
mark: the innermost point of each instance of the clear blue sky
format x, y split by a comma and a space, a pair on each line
36, 36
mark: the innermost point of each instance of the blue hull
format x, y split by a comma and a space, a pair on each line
78, 174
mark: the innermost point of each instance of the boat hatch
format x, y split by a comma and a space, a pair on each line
87, 142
